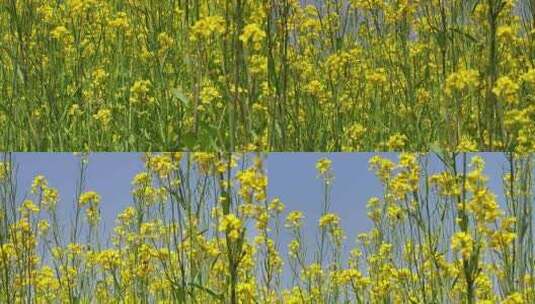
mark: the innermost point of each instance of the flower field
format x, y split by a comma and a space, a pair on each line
205, 228
267, 75
205, 89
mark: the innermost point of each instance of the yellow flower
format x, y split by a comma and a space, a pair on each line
246, 291
50, 197
258, 64
313, 270
501, 239
529, 77
462, 242
120, 21
329, 219
29, 206
367, 4
397, 142
46, 282
294, 219
323, 165
4, 170
93, 214
165, 41
103, 116
484, 206
347, 276
382, 166
75, 111
141, 179
505, 32
461, 80
466, 144
205, 27
231, 225
276, 205
39, 182
447, 183
43, 226
293, 248
252, 182
127, 215
46, 12
109, 259
514, 298
59, 32
208, 95
314, 88
252, 32
162, 164
354, 134
139, 92
394, 212
506, 89
505, 235
89, 197
99, 75
377, 77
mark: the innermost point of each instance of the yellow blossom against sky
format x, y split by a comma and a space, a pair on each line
235, 228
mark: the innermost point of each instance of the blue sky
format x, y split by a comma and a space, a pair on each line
292, 178
109, 174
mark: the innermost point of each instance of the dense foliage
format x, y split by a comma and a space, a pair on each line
267, 75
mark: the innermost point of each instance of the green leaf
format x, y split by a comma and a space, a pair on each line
19, 73
177, 93
208, 290
436, 148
